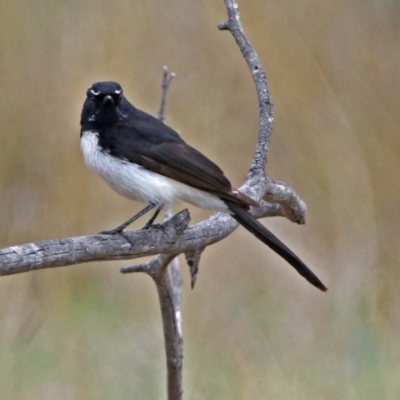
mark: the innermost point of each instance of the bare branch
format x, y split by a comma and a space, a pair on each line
260, 80
292, 206
157, 268
175, 271
167, 78
169, 292
171, 238
75, 250
172, 333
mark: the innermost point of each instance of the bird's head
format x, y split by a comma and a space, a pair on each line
104, 103
105, 94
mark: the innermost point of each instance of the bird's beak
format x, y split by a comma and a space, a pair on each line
108, 99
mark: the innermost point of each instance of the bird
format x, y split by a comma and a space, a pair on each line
145, 160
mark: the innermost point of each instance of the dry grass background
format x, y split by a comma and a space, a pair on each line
253, 328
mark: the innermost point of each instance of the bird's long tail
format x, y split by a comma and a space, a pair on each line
262, 233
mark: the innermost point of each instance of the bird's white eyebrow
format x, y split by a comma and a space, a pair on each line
95, 92
118, 91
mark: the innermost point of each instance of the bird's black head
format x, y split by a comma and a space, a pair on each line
104, 104
105, 94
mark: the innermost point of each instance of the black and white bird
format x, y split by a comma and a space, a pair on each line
143, 159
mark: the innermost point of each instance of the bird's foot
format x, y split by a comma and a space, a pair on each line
116, 231
152, 226
120, 232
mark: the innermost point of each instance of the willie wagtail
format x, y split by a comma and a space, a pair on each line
143, 159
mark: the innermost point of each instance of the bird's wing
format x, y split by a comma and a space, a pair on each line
146, 141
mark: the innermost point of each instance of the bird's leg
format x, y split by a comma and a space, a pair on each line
120, 228
149, 223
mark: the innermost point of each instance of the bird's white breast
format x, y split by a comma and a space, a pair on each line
134, 182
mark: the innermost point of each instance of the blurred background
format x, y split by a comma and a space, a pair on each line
253, 328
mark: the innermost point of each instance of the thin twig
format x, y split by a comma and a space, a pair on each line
260, 80
167, 78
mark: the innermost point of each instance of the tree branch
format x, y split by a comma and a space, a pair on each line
260, 80
169, 291
172, 333
157, 268
166, 81
75, 250
173, 237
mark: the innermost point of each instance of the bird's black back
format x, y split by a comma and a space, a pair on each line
135, 136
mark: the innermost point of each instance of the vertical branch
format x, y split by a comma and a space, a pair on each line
167, 78
172, 333
176, 285
170, 293
259, 77
175, 270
